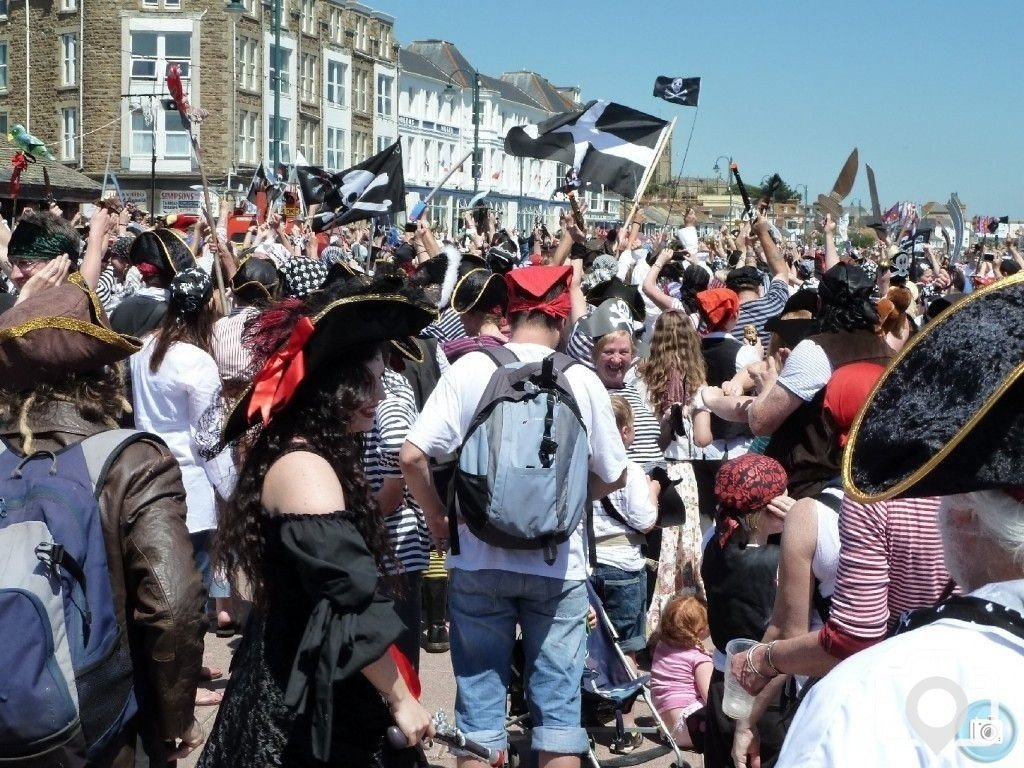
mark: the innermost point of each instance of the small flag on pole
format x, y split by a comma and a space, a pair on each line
678, 90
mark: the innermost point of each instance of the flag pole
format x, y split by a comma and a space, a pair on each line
218, 273
422, 204
679, 176
658, 149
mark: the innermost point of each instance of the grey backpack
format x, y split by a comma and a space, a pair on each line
521, 473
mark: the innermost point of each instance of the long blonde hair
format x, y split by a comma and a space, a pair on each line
674, 370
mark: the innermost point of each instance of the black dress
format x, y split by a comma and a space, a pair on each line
296, 696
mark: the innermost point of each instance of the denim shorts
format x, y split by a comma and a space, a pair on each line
624, 597
485, 607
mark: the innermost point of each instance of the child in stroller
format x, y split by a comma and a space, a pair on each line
610, 687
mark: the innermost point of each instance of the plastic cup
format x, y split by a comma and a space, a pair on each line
736, 702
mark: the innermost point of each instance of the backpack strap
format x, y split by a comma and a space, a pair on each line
823, 605
612, 512
500, 355
104, 448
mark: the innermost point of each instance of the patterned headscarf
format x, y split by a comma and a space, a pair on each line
745, 485
191, 290
302, 276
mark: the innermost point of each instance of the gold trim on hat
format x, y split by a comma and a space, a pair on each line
455, 291
961, 434
127, 343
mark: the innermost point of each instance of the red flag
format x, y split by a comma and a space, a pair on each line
19, 162
177, 91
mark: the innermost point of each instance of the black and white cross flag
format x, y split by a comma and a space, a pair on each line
605, 143
678, 90
262, 185
374, 187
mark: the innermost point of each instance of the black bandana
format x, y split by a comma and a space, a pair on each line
29, 242
191, 289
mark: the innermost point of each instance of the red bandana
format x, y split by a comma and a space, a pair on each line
281, 376
527, 286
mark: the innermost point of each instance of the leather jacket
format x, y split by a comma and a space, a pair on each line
158, 593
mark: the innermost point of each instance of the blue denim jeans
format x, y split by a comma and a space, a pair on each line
485, 607
623, 596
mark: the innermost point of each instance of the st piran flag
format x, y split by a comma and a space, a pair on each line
678, 90
605, 143
373, 188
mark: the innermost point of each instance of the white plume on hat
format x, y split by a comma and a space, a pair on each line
451, 275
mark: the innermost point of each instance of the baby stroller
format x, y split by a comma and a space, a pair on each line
610, 687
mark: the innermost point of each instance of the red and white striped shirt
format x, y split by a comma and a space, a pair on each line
890, 561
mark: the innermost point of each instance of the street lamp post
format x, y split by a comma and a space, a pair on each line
449, 91
718, 169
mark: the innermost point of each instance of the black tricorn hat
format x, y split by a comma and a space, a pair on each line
480, 290
257, 281
946, 416
616, 289
164, 248
345, 315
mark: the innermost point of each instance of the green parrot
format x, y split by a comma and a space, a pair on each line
28, 143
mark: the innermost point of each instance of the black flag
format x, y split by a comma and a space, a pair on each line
678, 90
374, 187
606, 143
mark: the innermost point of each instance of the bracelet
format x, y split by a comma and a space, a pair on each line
768, 658
749, 662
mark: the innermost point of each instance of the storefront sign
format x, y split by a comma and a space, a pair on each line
185, 201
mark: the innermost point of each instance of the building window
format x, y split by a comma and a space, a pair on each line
383, 142
176, 143
284, 128
3, 122
68, 59
308, 77
3, 65
144, 55
142, 135
178, 50
67, 5
250, 7
282, 57
68, 124
309, 17
308, 142
361, 89
247, 63
384, 88
362, 33
151, 48
385, 43
360, 146
336, 72
172, 3
3, 7
335, 26
335, 159
247, 143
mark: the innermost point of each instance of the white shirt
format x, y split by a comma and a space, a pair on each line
441, 428
169, 403
807, 370
858, 714
634, 504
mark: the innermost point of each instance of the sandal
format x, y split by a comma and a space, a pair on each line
631, 742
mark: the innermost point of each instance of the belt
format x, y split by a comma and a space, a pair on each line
621, 540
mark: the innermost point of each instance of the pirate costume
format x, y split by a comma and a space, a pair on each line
296, 695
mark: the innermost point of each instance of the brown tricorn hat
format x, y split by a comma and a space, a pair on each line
56, 333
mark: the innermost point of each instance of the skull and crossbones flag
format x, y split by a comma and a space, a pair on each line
606, 143
262, 192
678, 90
373, 188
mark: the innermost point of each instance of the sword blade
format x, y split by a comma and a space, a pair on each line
848, 174
876, 209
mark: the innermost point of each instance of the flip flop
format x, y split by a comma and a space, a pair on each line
209, 698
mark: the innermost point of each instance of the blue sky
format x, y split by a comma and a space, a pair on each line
930, 92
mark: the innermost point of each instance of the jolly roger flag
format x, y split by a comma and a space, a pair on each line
374, 187
262, 192
605, 143
678, 90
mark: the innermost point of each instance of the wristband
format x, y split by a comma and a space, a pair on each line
768, 659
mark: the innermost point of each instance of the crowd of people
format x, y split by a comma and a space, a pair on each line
804, 446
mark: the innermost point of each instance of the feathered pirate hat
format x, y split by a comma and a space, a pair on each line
58, 332
164, 249
946, 417
345, 315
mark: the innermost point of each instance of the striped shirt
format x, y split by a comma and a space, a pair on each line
645, 450
580, 345
232, 357
447, 327
407, 527
111, 291
890, 561
759, 311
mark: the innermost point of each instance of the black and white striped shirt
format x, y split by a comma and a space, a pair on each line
645, 450
448, 327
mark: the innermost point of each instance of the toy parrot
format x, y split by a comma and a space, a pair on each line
27, 143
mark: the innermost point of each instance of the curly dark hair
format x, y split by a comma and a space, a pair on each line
99, 397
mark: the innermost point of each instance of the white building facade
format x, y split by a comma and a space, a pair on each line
435, 121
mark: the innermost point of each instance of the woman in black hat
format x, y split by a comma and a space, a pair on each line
317, 681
